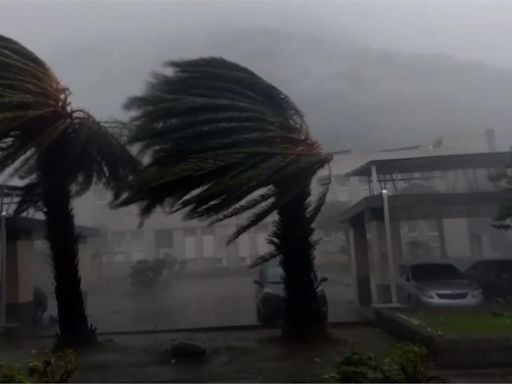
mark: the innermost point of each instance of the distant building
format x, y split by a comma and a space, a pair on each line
194, 245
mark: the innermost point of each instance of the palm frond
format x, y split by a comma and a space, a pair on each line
35, 113
30, 198
218, 139
325, 184
262, 259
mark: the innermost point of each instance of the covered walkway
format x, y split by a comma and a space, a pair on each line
462, 198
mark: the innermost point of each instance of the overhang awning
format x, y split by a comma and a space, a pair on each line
35, 228
429, 206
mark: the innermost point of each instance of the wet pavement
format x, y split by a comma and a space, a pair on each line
192, 302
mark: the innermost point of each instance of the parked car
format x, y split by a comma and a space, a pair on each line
494, 276
270, 295
437, 285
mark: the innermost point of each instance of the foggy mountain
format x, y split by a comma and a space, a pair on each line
355, 96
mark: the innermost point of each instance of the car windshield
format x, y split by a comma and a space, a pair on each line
274, 275
424, 272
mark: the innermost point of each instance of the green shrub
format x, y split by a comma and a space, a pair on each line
57, 367
10, 373
147, 273
356, 367
408, 363
405, 363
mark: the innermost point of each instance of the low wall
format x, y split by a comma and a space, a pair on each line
448, 351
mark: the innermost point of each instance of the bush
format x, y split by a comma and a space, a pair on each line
147, 273
53, 368
406, 363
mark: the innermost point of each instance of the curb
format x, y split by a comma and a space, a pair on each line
222, 328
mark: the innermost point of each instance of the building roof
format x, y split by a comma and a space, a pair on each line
435, 163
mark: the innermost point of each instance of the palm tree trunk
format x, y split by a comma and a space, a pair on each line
294, 235
74, 328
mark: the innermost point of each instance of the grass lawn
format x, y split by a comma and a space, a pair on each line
482, 323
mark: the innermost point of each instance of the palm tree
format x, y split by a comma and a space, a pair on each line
220, 142
60, 152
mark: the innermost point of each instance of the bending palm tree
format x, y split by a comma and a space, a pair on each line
61, 152
221, 141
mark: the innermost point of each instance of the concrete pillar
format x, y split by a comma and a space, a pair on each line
362, 264
442, 238
349, 235
381, 266
396, 238
381, 278
374, 255
20, 282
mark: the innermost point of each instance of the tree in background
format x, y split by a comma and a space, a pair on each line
220, 142
60, 152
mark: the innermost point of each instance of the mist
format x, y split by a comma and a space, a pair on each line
403, 208
369, 75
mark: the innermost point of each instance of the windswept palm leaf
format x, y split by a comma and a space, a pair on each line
35, 111
59, 152
218, 138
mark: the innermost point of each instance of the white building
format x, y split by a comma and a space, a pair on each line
195, 245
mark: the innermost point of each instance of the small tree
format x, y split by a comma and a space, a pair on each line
60, 152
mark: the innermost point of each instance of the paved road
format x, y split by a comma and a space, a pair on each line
195, 302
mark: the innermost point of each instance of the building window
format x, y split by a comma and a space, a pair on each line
408, 178
119, 256
137, 244
163, 238
412, 228
190, 244
165, 253
431, 227
208, 243
118, 239
244, 248
342, 187
364, 185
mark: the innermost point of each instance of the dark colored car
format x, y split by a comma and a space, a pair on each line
270, 295
494, 276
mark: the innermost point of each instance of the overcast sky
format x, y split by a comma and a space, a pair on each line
104, 50
477, 30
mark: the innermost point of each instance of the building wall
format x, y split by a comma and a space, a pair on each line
196, 245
